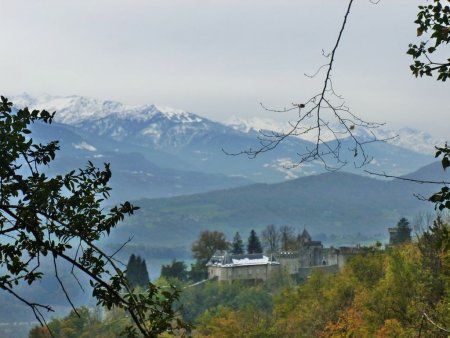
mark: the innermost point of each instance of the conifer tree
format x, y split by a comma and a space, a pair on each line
237, 247
137, 274
254, 244
144, 278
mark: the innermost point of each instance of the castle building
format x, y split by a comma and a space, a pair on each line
252, 268
310, 255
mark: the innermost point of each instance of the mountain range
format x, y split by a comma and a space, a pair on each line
159, 152
162, 152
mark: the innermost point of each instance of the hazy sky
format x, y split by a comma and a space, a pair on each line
220, 58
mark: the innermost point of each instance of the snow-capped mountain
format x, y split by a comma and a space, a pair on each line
174, 138
413, 139
114, 119
76, 109
160, 126
407, 138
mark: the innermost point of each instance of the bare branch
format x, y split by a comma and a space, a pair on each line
313, 121
121, 247
35, 307
55, 267
407, 179
434, 324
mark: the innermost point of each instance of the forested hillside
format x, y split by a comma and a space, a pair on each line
331, 203
399, 292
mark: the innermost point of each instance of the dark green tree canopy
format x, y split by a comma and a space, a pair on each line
237, 246
403, 223
137, 273
176, 269
254, 244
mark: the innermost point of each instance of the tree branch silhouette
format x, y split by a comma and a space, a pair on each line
341, 123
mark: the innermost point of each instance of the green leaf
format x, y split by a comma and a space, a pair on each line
445, 162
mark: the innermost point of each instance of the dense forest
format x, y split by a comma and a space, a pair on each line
401, 291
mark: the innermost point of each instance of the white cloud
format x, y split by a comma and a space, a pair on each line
85, 146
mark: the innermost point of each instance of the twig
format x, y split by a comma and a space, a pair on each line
407, 179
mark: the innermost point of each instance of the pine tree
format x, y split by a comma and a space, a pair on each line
237, 247
254, 244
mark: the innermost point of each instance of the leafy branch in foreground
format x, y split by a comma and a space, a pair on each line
442, 198
61, 218
327, 120
433, 22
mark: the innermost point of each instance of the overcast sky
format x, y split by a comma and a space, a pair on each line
220, 58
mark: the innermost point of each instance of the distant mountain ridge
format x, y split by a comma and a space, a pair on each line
174, 139
330, 203
79, 110
75, 109
133, 174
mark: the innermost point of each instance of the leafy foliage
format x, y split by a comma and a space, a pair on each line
433, 20
400, 292
211, 295
85, 324
176, 269
207, 243
61, 218
442, 198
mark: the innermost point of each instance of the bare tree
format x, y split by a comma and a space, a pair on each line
423, 221
271, 238
287, 238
